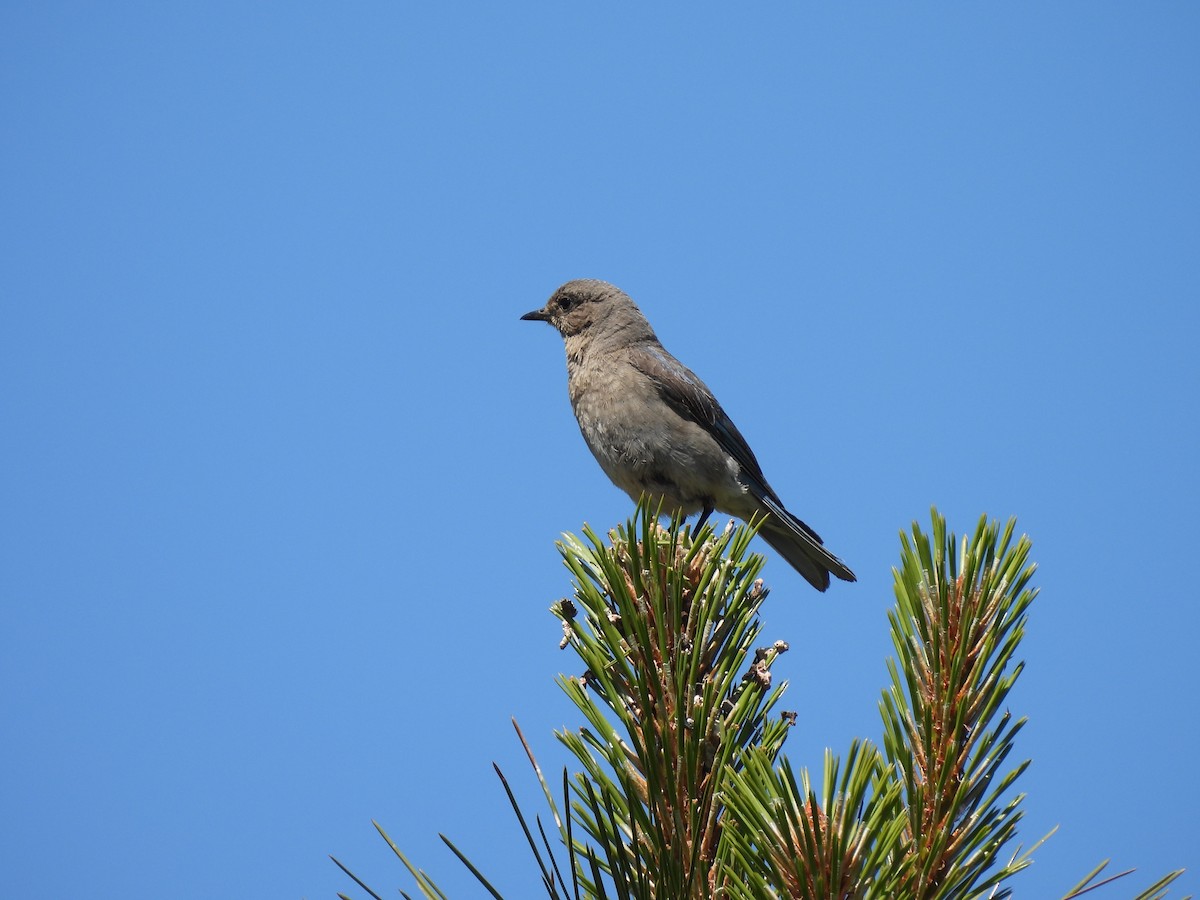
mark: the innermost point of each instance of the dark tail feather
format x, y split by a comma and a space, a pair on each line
802, 548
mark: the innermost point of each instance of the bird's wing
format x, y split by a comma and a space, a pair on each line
690, 397
685, 393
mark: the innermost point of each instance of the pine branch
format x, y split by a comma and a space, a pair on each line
682, 792
674, 693
960, 614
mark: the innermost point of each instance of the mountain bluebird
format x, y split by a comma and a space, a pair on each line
656, 429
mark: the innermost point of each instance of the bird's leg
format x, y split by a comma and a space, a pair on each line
708, 511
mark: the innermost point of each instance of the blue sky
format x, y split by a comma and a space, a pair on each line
283, 470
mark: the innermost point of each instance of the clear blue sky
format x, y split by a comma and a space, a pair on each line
282, 470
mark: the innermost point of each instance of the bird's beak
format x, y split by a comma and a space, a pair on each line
538, 315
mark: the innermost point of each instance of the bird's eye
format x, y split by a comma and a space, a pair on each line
566, 303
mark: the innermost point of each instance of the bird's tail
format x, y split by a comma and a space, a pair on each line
802, 547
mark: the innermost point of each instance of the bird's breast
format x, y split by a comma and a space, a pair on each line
642, 443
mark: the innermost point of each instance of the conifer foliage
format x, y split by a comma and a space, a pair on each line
682, 790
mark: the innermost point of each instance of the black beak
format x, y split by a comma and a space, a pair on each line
538, 315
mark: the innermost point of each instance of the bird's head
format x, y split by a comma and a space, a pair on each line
579, 305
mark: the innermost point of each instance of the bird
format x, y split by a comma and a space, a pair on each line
657, 431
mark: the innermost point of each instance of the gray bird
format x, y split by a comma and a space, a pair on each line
656, 429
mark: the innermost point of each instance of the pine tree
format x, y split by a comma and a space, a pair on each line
683, 791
